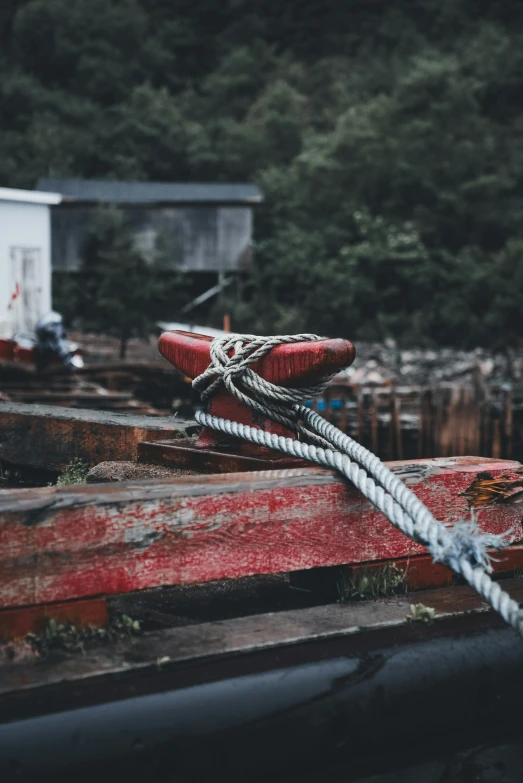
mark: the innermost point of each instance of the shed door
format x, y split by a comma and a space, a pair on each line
26, 287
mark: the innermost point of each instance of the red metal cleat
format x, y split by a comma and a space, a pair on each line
293, 365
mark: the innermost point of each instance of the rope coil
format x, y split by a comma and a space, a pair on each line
462, 547
233, 372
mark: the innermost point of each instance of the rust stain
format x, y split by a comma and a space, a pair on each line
486, 489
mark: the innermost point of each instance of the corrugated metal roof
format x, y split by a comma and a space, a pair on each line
29, 196
150, 192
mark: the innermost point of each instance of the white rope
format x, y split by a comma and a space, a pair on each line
274, 402
461, 547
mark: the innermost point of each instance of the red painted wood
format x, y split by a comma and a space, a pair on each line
60, 543
422, 573
299, 364
6, 350
12, 352
44, 436
17, 623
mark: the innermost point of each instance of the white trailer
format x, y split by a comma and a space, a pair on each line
25, 259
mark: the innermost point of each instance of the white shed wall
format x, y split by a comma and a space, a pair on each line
25, 254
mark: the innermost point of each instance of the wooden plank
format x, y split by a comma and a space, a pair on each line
184, 454
42, 436
17, 623
167, 648
62, 396
421, 572
59, 543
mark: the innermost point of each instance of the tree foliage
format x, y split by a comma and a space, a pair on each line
118, 291
387, 138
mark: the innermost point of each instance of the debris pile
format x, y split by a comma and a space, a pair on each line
143, 383
410, 404
383, 364
57, 387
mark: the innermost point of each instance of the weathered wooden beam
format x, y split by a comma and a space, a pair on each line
185, 455
246, 634
60, 543
46, 437
17, 623
276, 691
420, 572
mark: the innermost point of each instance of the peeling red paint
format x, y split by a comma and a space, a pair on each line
60, 543
296, 364
487, 489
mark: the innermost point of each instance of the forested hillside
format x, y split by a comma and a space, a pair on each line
387, 138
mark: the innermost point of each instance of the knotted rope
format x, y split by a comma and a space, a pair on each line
234, 372
462, 547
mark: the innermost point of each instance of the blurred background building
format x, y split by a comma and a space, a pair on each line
25, 258
193, 227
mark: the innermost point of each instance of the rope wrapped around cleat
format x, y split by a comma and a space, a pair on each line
462, 547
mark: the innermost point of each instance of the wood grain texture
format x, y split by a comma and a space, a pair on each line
60, 543
47, 437
221, 638
185, 453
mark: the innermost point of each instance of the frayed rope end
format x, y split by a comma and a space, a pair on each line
468, 541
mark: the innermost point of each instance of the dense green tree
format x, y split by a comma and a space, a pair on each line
387, 138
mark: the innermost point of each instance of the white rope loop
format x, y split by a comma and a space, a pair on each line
232, 370
462, 547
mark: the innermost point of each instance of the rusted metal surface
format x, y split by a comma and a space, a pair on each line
47, 437
59, 543
184, 453
297, 364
